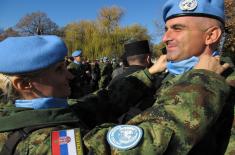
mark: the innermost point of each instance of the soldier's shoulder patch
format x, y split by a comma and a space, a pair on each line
124, 137
66, 142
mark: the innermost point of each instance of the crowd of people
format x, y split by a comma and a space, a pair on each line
182, 104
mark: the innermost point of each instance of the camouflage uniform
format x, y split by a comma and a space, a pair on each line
106, 74
147, 99
84, 113
189, 117
173, 125
78, 83
230, 115
95, 74
231, 146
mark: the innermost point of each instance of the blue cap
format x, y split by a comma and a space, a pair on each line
77, 53
203, 8
27, 54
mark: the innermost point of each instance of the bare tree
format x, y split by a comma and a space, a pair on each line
36, 23
110, 17
230, 25
10, 32
160, 28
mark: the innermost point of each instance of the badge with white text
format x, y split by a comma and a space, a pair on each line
124, 137
188, 5
66, 142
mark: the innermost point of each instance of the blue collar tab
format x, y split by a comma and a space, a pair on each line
76, 62
42, 103
180, 67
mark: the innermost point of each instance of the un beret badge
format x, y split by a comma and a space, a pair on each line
124, 137
188, 5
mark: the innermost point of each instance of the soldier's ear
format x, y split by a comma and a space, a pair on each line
149, 59
21, 84
213, 35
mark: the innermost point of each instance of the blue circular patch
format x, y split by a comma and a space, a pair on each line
124, 137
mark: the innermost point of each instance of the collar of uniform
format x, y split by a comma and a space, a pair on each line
42, 103
21, 117
76, 62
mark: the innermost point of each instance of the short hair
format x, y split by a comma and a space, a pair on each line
141, 58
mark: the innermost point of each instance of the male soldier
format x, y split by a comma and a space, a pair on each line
106, 73
138, 56
78, 85
122, 66
194, 28
115, 64
188, 119
95, 76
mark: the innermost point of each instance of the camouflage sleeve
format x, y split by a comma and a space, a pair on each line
36, 144
177, 120
72, 67
106, 105
231, 146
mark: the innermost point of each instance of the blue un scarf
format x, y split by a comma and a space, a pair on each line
42, 103
180, 67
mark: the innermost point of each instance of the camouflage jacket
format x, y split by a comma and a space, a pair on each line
78, 83
184, 114
219, 139
106, 74
38, 142
84, 113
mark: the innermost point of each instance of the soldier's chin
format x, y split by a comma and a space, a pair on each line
172, 56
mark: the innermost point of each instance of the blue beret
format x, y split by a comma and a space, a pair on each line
27, 54
77, 53
202, 8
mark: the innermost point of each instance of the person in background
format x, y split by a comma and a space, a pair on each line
95, 76
122, 66
78, 85
138, 57
106, 73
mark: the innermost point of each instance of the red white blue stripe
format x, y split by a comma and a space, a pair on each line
64, 142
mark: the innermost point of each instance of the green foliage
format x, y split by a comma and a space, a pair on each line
10, 32
157, 49
103, 37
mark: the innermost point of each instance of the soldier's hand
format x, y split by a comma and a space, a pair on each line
159, 66
211, 63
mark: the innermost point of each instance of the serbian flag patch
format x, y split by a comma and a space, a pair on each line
66, 142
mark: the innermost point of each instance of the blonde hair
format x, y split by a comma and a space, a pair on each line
7, 91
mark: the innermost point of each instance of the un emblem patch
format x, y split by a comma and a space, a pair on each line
188, 5
124, 137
